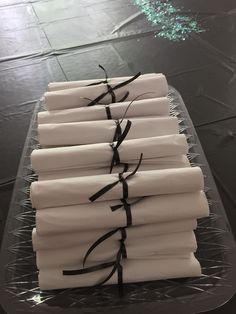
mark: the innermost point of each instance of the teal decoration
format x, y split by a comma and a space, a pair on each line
173, 25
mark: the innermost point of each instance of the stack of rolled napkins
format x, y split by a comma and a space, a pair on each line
116, 200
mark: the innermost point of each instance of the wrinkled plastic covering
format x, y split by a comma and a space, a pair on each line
56, 40
216, 253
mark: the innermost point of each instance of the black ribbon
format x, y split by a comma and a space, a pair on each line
108, 109
121, 254
118, 131
108, 112
110, 89
112, 232
120, 138
105, 237
127, 208
118, 135
116, 265
121, 180
124, 97
105, 81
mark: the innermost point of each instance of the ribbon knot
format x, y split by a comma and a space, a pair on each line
120, 136
118, 131
121, 180
127, 208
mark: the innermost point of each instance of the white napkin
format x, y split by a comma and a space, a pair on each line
179, 161
90, 132
100, 154
53, 86
149, 210
148, 87
139, 108
69, 191
70, 239
133, 271
136, 248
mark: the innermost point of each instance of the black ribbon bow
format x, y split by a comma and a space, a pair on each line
116, 265
121, 180
112, 232
110, 89
105, 237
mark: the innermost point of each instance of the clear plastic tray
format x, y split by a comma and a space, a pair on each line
20, 292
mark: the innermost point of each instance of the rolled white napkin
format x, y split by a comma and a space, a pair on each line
71, 239
136, 248
149, 210
139, 108
69, 191
148, 87
90, 132
133, 271
100, 154
53, 86
179, 161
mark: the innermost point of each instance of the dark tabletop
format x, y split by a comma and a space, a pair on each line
191, 41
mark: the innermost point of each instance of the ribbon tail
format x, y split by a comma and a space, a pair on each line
97, 242
124, 97
96, 100
100, 82
136, 168
105, 189
115, 207
116, 264
104, 70
74, 272
124, 134
109, 276
97, 83
127, 81
126, 110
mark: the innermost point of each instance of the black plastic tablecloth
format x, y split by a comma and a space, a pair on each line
55, 40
